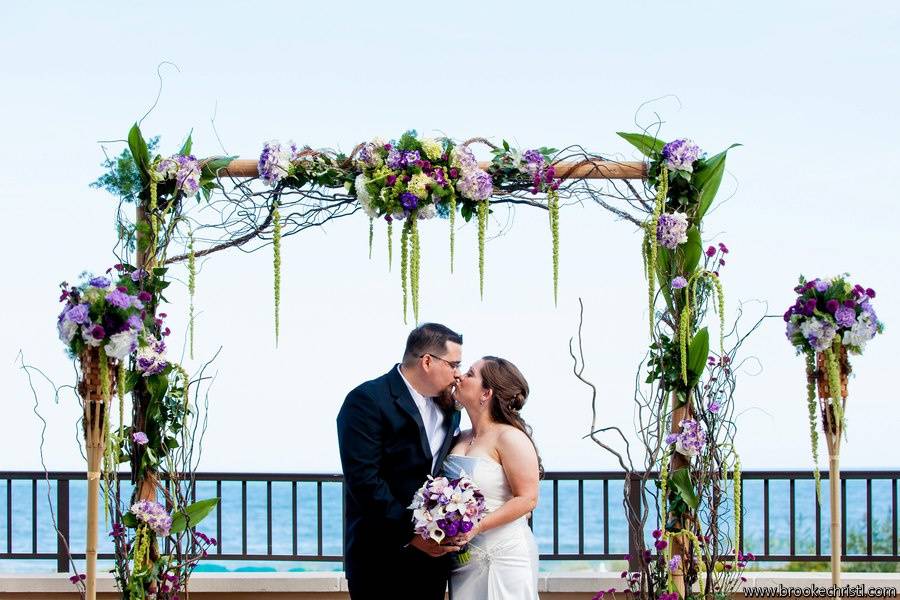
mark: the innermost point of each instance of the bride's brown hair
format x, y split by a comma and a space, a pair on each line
510, 393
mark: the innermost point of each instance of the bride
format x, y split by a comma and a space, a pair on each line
499, 455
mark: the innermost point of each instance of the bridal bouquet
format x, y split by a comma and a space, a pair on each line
447, 507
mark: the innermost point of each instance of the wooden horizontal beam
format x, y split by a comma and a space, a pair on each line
586, 169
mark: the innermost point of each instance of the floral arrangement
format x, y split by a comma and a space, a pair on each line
830, 318
417, 178
690, 440
446, 507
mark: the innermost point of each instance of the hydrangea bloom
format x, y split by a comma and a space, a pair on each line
119, 299
187, 179
818, 332
418, 185
395, 159
274, 162
475, 184
680, 154
462, 158
122, 344
845, 316
368, 155
432, 148
679, 282
77, 314
153, 514
691, 439
427, 211
862, 331
151, 358
671, 231
363, 195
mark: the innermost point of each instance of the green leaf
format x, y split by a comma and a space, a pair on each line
157, 385
647, 144
186, 147
688, 254
707, 179
191, 515
681, 481
506, 145
131, 380
698, 351
211, 167
139, 152
129, 520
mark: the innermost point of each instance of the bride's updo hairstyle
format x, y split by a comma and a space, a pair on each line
510, 393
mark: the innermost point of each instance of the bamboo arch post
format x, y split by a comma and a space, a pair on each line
95, 390
834, 431
679, 461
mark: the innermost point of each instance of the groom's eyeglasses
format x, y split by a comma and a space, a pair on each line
453, 364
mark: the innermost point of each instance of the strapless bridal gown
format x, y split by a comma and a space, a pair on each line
503, 562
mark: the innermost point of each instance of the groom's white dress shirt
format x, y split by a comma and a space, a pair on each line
432, 418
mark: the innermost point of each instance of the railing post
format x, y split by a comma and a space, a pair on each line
62, 518
634, 520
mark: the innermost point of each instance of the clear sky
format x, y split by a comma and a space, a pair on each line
809, 88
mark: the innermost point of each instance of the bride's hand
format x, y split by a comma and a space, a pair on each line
463, 538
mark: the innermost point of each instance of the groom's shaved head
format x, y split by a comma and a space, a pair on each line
429, 338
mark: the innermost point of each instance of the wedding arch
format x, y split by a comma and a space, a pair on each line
186, 208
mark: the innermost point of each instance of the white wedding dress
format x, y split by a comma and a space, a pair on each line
503, 563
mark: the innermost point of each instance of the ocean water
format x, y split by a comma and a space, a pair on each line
21, 532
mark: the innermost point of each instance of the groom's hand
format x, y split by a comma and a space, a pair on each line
432, 548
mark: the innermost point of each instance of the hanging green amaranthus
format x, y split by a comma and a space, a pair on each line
192, 287
371, 235
684, 324
812, 407
276, 263
833, 371
390, 241
414, 266
404, 261
553, 205
452, 229
662, 189
482, 227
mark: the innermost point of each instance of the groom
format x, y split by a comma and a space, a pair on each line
393, 432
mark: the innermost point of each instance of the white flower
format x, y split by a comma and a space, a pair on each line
432, 148
121, 344
860, 332
818, 332
427, 212
362, 194
67, 330
88, 337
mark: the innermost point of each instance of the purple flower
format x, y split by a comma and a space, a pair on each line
675, 563
144, 296
723, 248
187, 179
475, 184
681, 154
845, 316
77, 578
671, 231
138, 274
711, 251
119, 299
870, 292
679, 282
409, 201
691, 439
140, 438
820, 285
410, 157
832, 305
77, 314
657, 533
671, 438
97, 332
714, 407
99, 282
135, 322
394, 159
661, 544
274, 163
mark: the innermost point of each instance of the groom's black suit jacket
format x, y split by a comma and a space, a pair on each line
386, 457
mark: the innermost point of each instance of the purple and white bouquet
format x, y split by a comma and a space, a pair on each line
445, 507
154, 515
691, 439
831, 312
101, 312
418, 177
